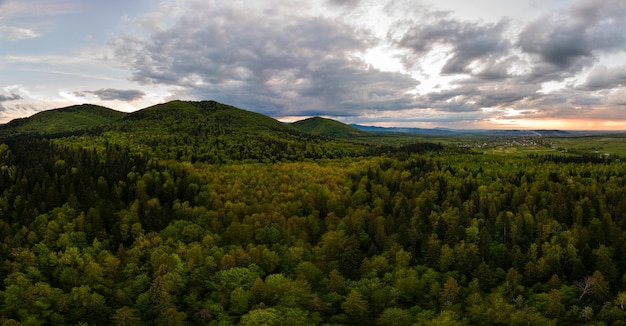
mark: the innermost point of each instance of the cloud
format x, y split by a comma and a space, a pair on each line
618, 98
38, 8
601, 77
286, 62
12, 33
344, 3
10, 97
561, 45
18, 95
468, 42
564, 45
503, 65
109, 94
476, 94
277, 64
11, 93
16, 111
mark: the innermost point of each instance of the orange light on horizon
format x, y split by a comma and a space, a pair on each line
564, 124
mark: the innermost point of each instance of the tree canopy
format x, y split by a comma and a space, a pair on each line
99, 229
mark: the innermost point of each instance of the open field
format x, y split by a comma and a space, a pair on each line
612, 144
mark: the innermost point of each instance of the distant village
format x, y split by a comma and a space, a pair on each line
507, 142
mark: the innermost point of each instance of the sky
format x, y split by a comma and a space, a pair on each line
496, 64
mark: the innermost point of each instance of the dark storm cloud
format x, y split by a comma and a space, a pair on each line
109, 94
278, 65
469, 41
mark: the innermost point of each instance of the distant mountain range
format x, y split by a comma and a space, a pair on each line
487, 132
434, 131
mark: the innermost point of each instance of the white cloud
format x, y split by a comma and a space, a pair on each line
12, 33
19, 9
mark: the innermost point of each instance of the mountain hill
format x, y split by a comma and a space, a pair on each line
406, 130
199, 118
328, 128
205, 131
214, 132
63, 120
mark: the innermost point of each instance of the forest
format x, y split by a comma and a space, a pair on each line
104, 227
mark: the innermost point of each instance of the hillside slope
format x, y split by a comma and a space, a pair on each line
327, 127
205, 131
63, 120
199, 118
213, 132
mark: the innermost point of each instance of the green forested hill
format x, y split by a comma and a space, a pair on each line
196, 213
327, 127
213, 132
204, 131
63, 120
200, 117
